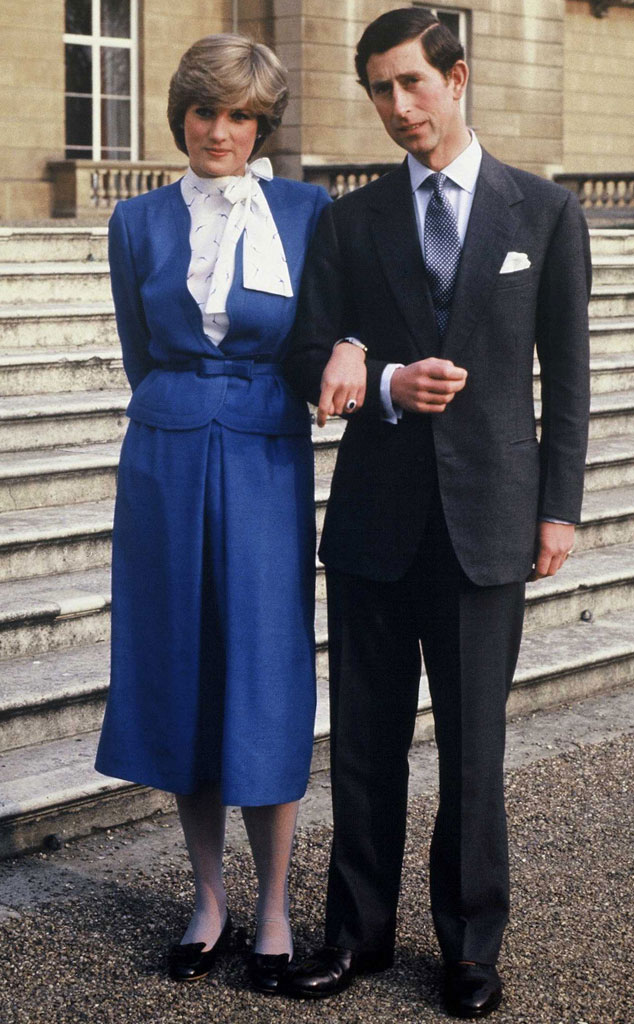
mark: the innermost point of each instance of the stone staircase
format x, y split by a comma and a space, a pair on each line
62, 417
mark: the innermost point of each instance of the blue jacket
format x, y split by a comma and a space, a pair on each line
160, 324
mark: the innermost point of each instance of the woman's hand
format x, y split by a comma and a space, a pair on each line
343, 382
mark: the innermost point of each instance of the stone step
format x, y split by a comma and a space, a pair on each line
44, 541
49, 613
79, 417
55, 695
54, 282
610, 300
609, 241
53, 612
610, 462
608, 372
68, 326
613, 269
68, 538
59, 476
607, 517
48, 244
88, 369
51, 787
611, 335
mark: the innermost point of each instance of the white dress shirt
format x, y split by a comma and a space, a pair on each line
462, 176
221, 211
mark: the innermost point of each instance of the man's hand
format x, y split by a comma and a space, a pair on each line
428, 385
554, 543
343, 381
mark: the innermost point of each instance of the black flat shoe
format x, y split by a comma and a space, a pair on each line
267, 970
472, 990
191, 962
330, 970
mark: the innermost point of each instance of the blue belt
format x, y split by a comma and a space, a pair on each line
245, 368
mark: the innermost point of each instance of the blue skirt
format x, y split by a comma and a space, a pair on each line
213, 660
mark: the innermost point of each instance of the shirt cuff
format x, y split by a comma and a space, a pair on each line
561, 522
391, 413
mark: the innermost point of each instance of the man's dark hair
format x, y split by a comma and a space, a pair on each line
440, 46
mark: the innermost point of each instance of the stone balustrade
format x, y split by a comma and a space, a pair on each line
603, 196
91, 188
339, 179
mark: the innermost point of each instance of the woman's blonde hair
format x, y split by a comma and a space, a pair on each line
228, 71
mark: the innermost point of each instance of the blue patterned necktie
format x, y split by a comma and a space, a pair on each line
441, 244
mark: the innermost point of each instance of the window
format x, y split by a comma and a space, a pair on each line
101, 59
456, 20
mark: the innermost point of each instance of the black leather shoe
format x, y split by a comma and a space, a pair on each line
472, 990
192, 961
267, 970
330, 970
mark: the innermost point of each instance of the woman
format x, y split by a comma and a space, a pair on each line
213, 692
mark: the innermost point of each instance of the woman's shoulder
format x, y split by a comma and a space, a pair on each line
148, 202
300, 190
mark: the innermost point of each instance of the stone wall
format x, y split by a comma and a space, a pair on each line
31, 104
598, 90
166, 30
516, 94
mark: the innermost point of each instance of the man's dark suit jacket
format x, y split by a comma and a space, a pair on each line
365, 276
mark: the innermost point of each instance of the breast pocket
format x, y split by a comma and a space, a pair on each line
515, 279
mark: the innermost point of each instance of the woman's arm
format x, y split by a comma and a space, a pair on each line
132, 327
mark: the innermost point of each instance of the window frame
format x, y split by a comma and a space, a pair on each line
96, 42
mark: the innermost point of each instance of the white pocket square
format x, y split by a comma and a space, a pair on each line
515, 261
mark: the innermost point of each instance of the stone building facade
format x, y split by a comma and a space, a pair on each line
87, 80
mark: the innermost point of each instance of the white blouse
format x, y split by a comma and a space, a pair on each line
221, 210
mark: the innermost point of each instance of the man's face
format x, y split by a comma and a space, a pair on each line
418, 105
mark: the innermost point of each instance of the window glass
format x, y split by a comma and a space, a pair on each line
79, 121
115, 18
115, 124
115, 71
78, 68
79, 17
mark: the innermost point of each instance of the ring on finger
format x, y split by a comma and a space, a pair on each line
351, 405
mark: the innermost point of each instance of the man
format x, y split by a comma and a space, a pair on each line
443, 502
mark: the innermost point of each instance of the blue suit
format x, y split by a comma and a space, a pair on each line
213, 545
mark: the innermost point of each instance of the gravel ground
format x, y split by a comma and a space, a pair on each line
91, 946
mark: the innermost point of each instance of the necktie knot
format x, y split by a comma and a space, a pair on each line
437, 182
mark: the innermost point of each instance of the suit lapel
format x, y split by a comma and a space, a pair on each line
492, 225
395, 235
182, 257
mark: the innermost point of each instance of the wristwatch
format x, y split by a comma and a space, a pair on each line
351, 341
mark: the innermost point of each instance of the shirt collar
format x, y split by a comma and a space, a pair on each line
260, 168
463, 171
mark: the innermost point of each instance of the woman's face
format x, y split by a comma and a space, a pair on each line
219, 140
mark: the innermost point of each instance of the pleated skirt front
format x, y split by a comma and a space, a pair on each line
212, 675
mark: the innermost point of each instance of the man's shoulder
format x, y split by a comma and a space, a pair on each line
532, 186
374, 191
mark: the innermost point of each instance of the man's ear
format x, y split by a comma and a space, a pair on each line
458, 77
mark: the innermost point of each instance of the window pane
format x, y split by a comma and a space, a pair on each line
115, 18
78, 68
75, 153
78, 121
115, 71
115, 124
79, 17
